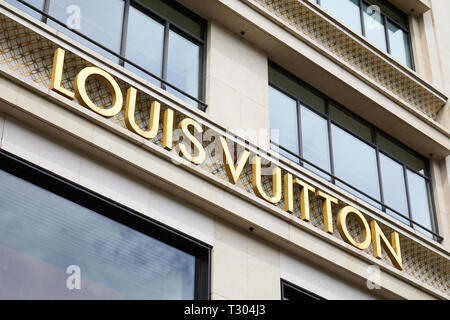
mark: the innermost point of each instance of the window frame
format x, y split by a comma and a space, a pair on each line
101, 205
287, 288
374, 131
386, 18
168, 25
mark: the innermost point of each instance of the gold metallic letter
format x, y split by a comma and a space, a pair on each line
257, 184
130, 121
83, 98
342, 227
184, 126
393, 251
57, 72
327, 212
288, 193
304, 199
233, 172
168, 129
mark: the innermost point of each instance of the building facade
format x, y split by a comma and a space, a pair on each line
224, 149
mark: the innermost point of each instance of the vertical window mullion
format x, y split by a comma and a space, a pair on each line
361, 12
408, 197
299, 126
123, 43
46, 9
380, 181
165, 53
434, 224
386, 32
330, 140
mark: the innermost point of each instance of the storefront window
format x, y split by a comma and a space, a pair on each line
53, 248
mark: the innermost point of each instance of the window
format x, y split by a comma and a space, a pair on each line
292, 292
382, 24
49, 227
322, 136
159, 40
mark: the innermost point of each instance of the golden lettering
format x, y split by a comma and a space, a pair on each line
342, 227
108, 80
168, 130
184, 126
233, 172
57, 73
257, 183
130, 121
288, 193
304, 199
379, 239
327, 210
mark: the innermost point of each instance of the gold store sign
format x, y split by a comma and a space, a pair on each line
371, 231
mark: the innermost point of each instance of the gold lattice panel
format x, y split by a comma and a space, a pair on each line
301, 19
30, 56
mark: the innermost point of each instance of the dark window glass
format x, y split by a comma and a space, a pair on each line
283, 122
183, 66
315, 145
100, 20
420, 202
169, 11
54, 248
399, 42
355, 162
300, 91
394, 188
346, 11
400, 153
39, 4
292, 292
374, 27
350, 122
144, 47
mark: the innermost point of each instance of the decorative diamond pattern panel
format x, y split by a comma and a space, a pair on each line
30, 56
336, 42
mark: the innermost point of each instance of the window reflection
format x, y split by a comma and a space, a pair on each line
41, 234
398, 40
420, 203
39, 4
355, 162
100, 20
183, 66
346, 11
394, 189
315, 145
283, 122
144, 47
374, 27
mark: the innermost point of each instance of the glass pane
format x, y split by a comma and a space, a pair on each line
400, 153
176, 16
42, 234
35, 3
145, 40
350, 122
100, 20
183, 66
347, 11
420, 205
374, 26
392, 12
394, 189
315, 141
296, 88
399, 42
283, 122
355, 162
